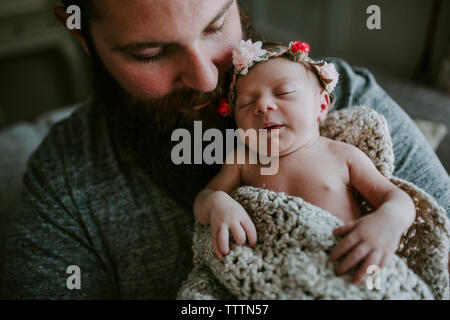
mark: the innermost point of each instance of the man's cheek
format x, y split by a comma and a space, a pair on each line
236, 22
224, 51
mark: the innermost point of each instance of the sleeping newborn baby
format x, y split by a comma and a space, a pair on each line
285, 92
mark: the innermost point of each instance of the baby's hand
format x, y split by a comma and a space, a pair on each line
373, 239
226, 216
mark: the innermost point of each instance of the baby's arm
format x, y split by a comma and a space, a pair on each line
213, 206
373, 238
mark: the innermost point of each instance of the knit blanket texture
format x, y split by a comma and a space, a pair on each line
295, 239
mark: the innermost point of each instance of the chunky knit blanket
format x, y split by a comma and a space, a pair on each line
295, 239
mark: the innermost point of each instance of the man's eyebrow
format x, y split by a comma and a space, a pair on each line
221, 13
148, 45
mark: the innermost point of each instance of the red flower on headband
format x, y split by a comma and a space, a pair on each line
224, 108
303, 47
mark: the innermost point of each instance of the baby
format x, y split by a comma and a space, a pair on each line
286, 92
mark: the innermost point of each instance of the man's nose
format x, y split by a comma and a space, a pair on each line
264, 105
200, 73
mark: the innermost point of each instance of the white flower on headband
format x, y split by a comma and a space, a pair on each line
247, 54
329, 75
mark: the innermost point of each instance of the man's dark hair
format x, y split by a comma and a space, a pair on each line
87, 13
84, 5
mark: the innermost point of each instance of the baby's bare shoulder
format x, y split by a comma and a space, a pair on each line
343, 151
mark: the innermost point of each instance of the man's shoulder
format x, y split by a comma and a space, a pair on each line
76, 128
356, 86
72, 140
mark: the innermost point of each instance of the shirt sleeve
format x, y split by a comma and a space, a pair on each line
46, 236
415, 160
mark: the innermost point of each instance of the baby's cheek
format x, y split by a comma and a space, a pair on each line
242, 120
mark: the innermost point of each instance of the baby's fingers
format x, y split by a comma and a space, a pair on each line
250, 230
222, 239
345, 228
238, 234
373, 258
345, 245
354, 257
215, 242
216, 250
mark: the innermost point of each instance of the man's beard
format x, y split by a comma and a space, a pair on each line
143, 128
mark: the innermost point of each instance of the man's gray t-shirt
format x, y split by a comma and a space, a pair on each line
88, 203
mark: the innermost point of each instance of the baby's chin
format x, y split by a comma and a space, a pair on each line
287, 145
279, 143
266, 144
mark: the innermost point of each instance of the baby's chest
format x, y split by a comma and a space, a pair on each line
302, 179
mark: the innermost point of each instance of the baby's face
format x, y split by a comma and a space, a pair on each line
283, 95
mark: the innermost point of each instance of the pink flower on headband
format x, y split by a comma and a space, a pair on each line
224, 108
330, 75
303, 47
247, 54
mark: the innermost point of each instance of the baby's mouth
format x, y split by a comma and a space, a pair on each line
269, 126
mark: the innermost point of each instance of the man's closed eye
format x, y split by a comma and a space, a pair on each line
147, 59
217, 29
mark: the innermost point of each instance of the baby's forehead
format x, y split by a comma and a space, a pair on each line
282, 65
274, 72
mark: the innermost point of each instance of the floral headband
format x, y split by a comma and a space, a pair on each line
248, 54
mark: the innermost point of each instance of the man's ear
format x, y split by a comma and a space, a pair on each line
62, 16
324, 105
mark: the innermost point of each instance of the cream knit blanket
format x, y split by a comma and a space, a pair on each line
291, 258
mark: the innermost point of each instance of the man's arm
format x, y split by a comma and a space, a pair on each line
45, 237
415, 161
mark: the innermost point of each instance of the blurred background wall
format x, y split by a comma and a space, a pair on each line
41, 66
338, 28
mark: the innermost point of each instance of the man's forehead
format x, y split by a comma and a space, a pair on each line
162, 20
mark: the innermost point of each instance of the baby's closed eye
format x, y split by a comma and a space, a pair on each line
245, 102
285, 88
280, 94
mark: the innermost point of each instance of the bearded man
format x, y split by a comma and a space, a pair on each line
101, 192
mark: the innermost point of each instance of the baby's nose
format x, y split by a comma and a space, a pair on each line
265, 107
